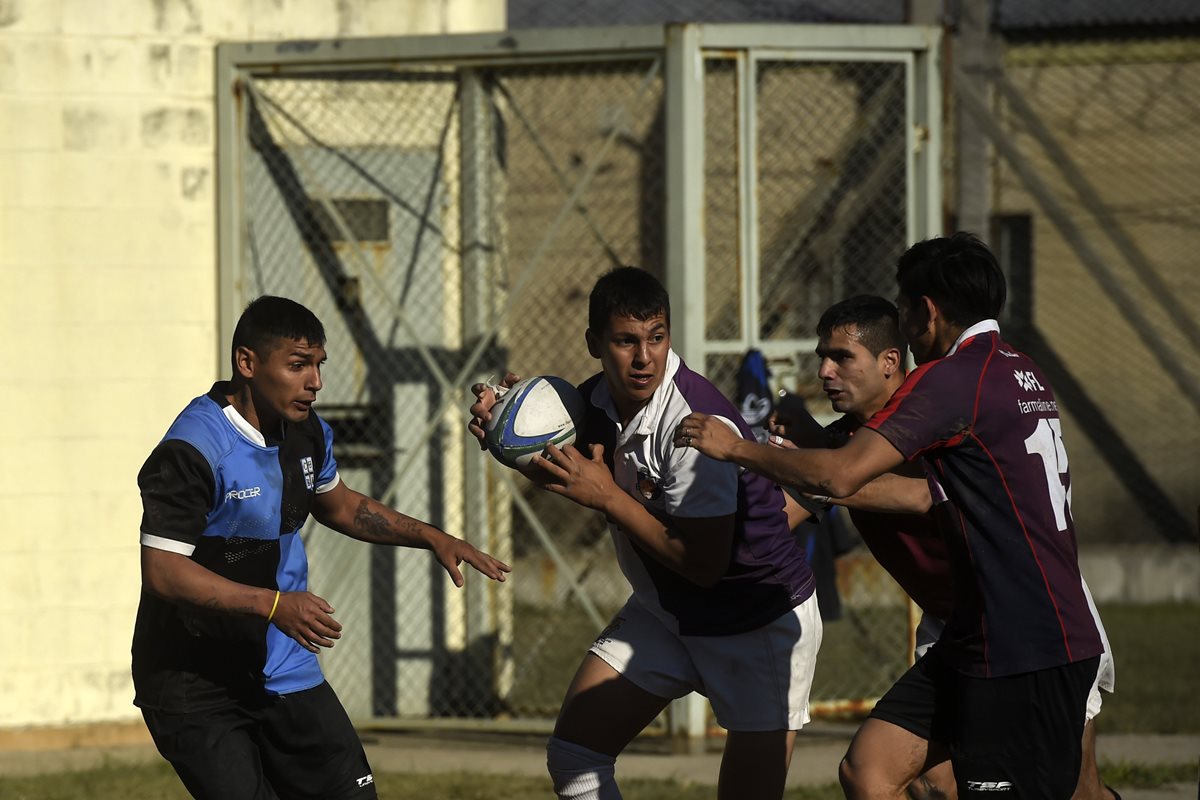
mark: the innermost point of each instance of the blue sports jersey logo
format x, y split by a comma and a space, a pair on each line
310, 480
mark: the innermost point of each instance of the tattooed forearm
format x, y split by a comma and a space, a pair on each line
215, 604
376, 526
370, 522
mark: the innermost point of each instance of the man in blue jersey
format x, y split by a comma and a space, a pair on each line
224, 647
723, 599
1006, 686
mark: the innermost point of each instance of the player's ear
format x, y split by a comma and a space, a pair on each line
929, 309
593, 343
892, 361
244, 361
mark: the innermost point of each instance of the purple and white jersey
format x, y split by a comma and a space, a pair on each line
987, 425
767, 573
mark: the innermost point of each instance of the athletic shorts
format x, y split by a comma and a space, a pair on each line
755, 681
930, 629
299, 745
1017, 734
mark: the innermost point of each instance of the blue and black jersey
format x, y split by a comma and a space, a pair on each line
216, 491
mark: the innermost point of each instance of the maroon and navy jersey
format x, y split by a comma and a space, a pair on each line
985, 422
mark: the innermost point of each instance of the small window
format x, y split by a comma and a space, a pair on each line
367, 220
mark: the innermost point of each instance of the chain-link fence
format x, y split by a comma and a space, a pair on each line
354, 194
1098, 216
547, 13
831, 204
1092, 131
831, 211
446, 219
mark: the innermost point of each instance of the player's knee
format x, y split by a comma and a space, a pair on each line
853, 777
579, 773
862, 777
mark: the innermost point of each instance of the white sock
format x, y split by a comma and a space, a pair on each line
579, 773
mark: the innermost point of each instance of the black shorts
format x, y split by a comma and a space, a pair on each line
1012, 736
298, 745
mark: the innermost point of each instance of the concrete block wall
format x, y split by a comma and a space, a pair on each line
108, 300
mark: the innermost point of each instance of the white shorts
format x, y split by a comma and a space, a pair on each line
930, 628
1106, 676
755, 681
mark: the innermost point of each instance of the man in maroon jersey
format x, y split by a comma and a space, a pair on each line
861, 354
1006, 686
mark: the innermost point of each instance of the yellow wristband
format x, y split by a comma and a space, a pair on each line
274, 606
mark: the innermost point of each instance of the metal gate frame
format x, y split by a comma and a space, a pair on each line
918, 48
682, 50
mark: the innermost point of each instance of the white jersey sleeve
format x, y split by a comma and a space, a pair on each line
696, 486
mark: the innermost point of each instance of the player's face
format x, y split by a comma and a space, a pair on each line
286, 380
854, 380
916, 327
633, 354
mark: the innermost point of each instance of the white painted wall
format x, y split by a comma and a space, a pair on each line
108, 300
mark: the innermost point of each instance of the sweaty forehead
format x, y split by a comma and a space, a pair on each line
846, 337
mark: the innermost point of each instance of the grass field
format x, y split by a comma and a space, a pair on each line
1156, 649
158, 782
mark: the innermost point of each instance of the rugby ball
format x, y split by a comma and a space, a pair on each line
532, 414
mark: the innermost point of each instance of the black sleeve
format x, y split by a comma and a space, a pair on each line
802, 428
815, 508
177, 487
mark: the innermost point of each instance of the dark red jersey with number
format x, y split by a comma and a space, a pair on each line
987, 425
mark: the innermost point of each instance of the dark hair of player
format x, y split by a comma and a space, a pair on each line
958, 273
268, 319
874, 318
626, 292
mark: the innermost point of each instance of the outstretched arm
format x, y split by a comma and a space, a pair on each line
835, 473
890, 493
360, 517
899, 492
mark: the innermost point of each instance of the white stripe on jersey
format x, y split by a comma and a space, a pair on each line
170, 545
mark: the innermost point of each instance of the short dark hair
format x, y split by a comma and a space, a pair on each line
268, 319
626, 292
876, 320
958, 273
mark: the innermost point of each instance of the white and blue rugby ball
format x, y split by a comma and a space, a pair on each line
532, 414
